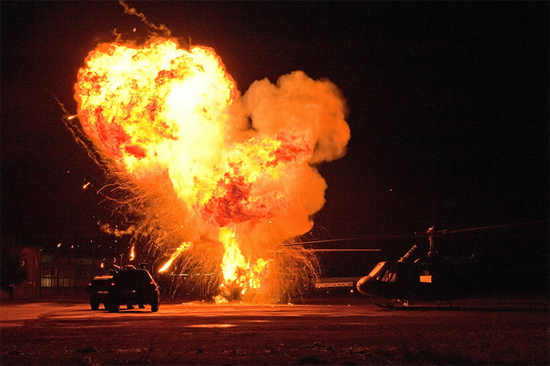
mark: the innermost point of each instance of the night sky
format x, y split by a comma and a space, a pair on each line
448, 106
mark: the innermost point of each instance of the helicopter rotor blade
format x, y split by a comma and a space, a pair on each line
488, 227
374, 237
412, 236
345, 250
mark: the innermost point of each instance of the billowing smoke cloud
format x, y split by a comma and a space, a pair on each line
315, 110
297, 103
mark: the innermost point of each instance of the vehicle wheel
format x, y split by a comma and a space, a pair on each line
129, 306
141, 306
155, 304
94, 303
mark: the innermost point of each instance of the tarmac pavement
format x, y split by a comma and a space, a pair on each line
324, 330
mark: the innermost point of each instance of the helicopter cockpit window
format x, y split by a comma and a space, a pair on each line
378, 271
384, 272
390, 275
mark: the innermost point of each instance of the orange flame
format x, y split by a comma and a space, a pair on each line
239, 167
238, 274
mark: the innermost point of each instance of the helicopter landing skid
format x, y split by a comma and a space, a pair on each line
394, 304
405, 305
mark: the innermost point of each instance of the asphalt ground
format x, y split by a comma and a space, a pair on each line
343, 330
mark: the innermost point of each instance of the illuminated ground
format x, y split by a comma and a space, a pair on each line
339, 331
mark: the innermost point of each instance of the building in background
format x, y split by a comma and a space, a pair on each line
50, 273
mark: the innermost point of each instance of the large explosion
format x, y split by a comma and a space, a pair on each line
214, 181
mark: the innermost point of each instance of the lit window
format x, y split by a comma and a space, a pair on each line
48, 277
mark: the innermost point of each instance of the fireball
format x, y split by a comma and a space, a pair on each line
230, 176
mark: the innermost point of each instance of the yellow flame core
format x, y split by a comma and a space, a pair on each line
132, 255
232, 260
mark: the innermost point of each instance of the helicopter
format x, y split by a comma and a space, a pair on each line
428, 277
424, 278
425, 273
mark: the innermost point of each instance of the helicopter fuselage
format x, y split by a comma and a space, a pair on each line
437, 279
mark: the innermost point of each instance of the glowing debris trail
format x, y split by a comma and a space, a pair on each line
181, 248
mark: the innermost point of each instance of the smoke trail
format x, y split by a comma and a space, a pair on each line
165, 32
